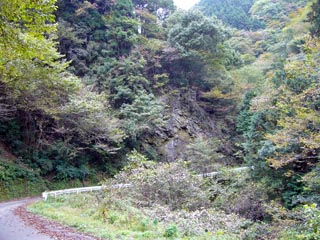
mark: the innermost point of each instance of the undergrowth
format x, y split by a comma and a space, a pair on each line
125, 221
166, 201
162, 201
18, 181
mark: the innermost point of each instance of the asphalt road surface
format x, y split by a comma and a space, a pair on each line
13, 227
16, 223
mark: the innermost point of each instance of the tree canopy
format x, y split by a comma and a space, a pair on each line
233, 12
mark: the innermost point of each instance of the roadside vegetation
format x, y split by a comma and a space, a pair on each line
168, 201
162, 202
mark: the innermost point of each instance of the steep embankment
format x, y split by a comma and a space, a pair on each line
17, 180
5, 153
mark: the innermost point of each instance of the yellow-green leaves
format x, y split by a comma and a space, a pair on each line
30, 66
298, 138
34, 17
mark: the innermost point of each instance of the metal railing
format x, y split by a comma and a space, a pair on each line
45, 195
233, 170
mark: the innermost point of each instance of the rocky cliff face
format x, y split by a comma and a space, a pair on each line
186, 121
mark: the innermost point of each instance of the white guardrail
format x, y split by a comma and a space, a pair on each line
233, 170
45, 195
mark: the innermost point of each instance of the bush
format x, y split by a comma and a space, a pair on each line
307, 224
204, 156
171, 231
168, 184
250, 205
311, 226
16, 182
168, 194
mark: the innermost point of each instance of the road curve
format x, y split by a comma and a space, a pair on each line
13, 227
16, 223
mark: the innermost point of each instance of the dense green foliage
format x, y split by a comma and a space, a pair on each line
233, 12
17, 181
279, 119
314, 18
89, 88
62, 127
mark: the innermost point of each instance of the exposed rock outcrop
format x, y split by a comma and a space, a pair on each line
186, 121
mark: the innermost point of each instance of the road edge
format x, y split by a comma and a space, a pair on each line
47, 226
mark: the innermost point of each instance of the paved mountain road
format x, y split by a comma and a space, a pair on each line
18, 224
12, 227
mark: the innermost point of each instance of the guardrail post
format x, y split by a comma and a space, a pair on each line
44, 196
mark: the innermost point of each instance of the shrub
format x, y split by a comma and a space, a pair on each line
168, 194
204, 156
168, 184
311, 226
250, 205
306, 226
171, 231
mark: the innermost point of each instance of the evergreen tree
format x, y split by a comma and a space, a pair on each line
314, 18
233, 12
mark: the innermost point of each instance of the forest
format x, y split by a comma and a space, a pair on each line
140, 92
